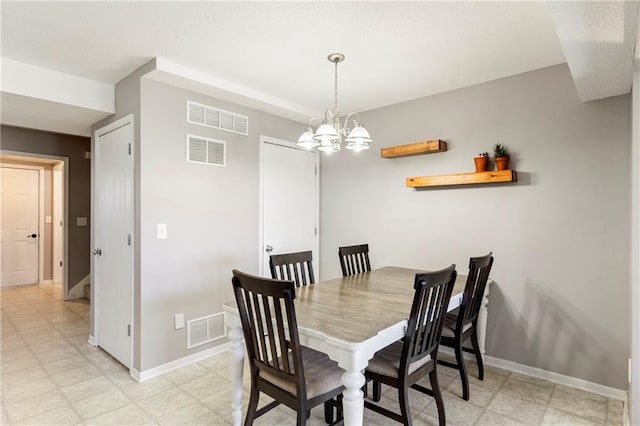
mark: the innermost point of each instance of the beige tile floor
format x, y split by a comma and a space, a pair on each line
51, 375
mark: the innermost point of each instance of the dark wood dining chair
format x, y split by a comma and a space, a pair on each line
354, 259
462, 323
297, 267
403, 363
291, 374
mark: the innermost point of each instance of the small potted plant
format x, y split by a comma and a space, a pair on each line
501, 157
482, 162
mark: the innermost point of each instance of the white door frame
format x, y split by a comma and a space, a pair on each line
65, 250
95, 338
316, 248
58, 222
40, 170
633, 407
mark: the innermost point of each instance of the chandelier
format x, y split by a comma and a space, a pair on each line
331, 134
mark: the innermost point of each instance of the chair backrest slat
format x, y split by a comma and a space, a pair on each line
270, 334
428, 312
418, 343
479, 269
282, 335
354, 259
296, 267
255, 313
270, 328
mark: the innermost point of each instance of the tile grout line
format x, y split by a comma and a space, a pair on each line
64, 397
547, 406
41, 365
484, 410
28, 346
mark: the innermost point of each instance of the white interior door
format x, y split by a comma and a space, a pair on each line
19, 233
113, 249
290, 201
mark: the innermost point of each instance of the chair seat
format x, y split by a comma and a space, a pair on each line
387, 361
453, 314
449, 329
321, 374
450, 323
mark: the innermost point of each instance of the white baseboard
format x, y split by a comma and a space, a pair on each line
141, 376
558, 378
92, 340
77, 290
550, 376
46, 282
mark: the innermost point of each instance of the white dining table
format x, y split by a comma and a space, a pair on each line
349, 319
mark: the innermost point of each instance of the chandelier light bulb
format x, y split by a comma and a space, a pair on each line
307, 141
326, 132
357, 147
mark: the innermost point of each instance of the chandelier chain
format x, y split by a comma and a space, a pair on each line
335, 92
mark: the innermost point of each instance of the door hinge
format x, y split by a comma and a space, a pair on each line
315, 231
60, 223
60, 263
128, 239
316, 170
129, 330
129, 149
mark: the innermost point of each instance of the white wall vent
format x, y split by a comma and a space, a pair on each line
209, 116
203, 150
206, 329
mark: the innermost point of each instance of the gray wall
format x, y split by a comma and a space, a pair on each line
560, 236
211, 213
73, 147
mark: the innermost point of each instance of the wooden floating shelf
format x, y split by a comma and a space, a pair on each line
425, 147
463, 179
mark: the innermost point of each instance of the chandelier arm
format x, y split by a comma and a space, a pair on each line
349, 117
329, 116
313, 118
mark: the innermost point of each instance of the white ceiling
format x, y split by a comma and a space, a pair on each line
598, 39
395, 51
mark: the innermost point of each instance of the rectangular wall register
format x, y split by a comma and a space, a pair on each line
205, 115
417, 148
501, 176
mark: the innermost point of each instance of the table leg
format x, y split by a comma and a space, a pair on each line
353, 398
482, 319
237, 364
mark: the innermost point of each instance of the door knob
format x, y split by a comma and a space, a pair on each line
97, 252
268, 249
32, 236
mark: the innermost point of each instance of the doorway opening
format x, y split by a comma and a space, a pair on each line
51, 236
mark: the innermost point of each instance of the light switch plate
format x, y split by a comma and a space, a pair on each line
178, 321
162, 231
48, 219
81, 221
